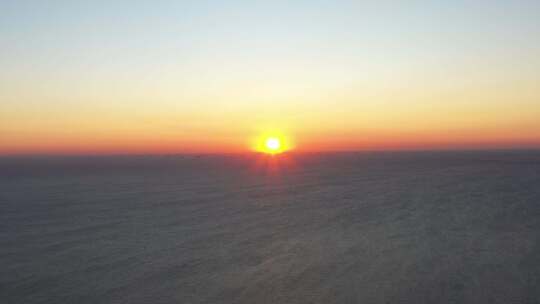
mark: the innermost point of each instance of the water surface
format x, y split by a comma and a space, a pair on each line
439, 227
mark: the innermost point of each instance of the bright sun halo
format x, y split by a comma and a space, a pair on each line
272, 144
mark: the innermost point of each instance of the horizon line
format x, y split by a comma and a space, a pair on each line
301, 152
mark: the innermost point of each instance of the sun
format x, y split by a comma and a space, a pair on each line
272, 144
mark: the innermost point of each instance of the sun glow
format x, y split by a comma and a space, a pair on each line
272, 143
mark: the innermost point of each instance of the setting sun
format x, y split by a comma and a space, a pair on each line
272, 144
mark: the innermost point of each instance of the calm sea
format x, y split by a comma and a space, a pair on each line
409, 227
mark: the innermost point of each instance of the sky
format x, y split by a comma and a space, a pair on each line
211, 76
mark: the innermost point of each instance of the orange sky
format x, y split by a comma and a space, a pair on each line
201, 78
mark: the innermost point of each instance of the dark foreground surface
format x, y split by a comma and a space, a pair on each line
460, 227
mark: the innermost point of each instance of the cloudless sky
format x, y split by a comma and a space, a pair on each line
209, 76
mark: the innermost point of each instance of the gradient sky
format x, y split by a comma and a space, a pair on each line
209, 76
